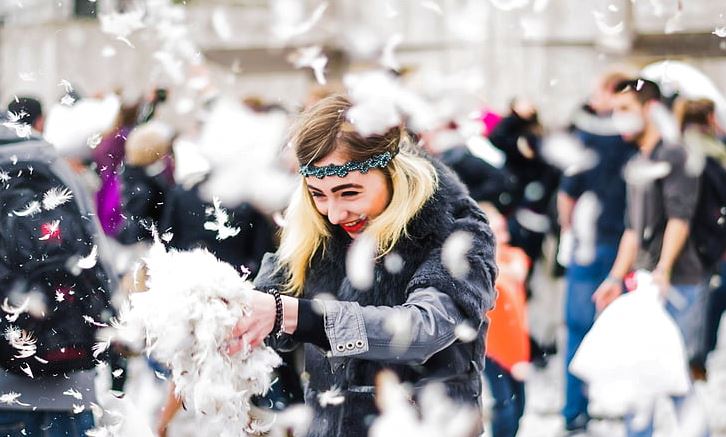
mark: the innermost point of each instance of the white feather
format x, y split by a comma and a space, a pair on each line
74, 393
56, 196
220, 225
27, 370
454, 253
331, 397
88, 261
192, 303
30, 209
360, 261
12, 398
14, 312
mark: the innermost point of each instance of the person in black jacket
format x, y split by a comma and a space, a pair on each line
380, 189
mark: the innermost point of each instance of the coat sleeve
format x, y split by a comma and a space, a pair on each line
438, 303
412, 332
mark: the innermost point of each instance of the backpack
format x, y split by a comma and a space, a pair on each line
47, 270
708, 225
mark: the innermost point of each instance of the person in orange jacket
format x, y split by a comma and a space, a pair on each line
507, 344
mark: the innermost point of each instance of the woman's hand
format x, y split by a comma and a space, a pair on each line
255, 326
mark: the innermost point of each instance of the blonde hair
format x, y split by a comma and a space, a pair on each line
411, 177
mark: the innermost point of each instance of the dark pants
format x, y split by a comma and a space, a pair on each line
582, 281
22, 423
715, 308
508, 394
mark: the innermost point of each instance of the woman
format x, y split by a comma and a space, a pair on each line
378, 187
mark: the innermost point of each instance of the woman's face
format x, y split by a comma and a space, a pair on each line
350, 202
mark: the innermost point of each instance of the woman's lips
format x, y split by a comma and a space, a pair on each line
355, 226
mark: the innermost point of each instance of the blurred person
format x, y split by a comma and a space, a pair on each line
698, 124
108, 156
52, 258
486, 183
29, 110
519, 136
379, 187
146, 176
657, 229
507, 343
147, 110
593, 126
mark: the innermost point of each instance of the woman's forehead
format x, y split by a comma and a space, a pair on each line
329, 183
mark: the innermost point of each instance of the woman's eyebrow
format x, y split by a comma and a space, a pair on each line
315, 189
345, 186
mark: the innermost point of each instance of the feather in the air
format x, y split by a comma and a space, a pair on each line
55, 197
30, 209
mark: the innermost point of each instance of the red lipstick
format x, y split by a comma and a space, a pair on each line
356, 226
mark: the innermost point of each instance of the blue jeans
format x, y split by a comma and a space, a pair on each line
689, 318
21, 423
508, 394
582, 281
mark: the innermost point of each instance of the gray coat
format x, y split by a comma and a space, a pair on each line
423, 292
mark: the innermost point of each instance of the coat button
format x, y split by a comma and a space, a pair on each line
350, 346
359, 344
340, 347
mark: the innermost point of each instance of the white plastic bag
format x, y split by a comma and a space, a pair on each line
634, 353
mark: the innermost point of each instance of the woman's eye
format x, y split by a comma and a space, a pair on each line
349, 193
316, 194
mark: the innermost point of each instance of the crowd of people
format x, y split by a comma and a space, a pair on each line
645, 190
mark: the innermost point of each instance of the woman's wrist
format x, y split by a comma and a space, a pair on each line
289, 314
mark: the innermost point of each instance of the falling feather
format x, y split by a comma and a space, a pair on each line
285, 31
465, 332
100, 347
121, 25
360, 261
22, 341
311, 57
388, 58
604, 27
73, 393
30, 209
88, 261
50, 230
66, 85
4, 177
14, 312
56, 196
720, 32
25, 367
78, 409
91, 321
67, 100
11, 398
334, 396
454, 253
220, 225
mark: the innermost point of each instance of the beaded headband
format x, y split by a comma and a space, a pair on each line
376, 161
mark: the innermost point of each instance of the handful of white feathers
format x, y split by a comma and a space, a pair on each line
192, 303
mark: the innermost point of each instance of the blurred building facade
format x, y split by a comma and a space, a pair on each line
546, 50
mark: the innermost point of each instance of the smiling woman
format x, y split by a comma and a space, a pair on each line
384, 188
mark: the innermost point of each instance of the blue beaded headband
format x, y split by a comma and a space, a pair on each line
376, 161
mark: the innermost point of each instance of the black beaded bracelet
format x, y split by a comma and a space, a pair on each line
277, 327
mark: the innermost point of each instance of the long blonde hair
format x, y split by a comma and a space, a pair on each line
321, 130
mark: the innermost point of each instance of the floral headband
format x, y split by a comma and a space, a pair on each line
376, 161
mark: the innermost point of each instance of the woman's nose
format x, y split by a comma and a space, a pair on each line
336, 214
